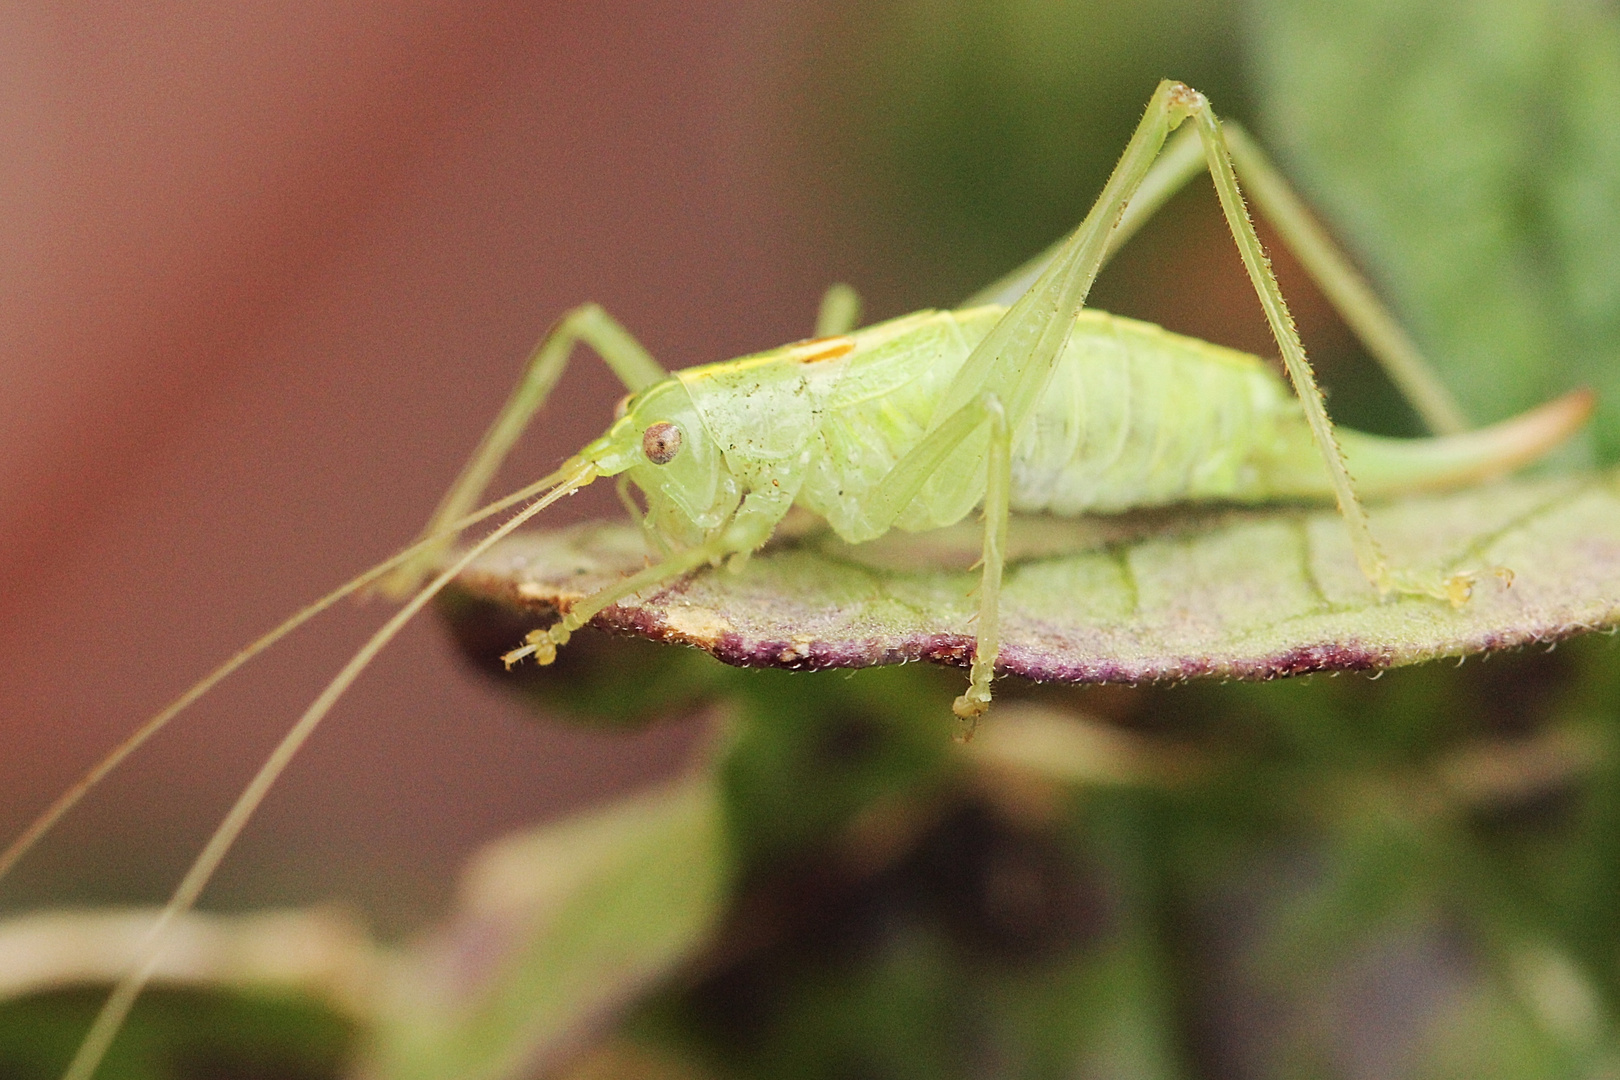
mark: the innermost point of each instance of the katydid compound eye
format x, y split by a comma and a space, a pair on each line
661, 442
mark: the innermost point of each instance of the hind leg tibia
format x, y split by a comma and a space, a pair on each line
1349, 293
1368, 555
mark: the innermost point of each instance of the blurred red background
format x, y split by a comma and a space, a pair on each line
268, 271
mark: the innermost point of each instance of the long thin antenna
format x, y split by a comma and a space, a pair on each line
117, 1007
71, 797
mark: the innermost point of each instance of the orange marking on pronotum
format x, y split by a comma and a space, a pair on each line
829, 348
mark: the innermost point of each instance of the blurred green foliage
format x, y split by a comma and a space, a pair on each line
1468, 151
175, 1034
557, 927
1418, 868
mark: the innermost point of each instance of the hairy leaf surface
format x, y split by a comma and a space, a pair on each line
1230, 593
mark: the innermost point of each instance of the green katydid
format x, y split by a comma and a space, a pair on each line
1020, 401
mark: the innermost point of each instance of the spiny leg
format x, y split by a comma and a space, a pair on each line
624, 356
1012, 364
1368, 555
542, 644
1344, 287
747, 531
1016, 358
1180, 161
987, 640
905, 481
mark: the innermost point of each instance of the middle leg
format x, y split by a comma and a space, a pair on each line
987, 637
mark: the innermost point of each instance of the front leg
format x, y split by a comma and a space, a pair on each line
747, 531
624, 356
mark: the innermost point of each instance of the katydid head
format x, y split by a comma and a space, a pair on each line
662, 443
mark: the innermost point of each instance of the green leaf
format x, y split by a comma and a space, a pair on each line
1245, 594
176, 1032
1468, 151
1538, 1022
283, 992
558, 928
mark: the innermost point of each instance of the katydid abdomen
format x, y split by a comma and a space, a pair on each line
1132, 416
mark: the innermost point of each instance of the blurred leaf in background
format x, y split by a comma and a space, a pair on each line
177, 1033
902, 913
557, 930
1468, 151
